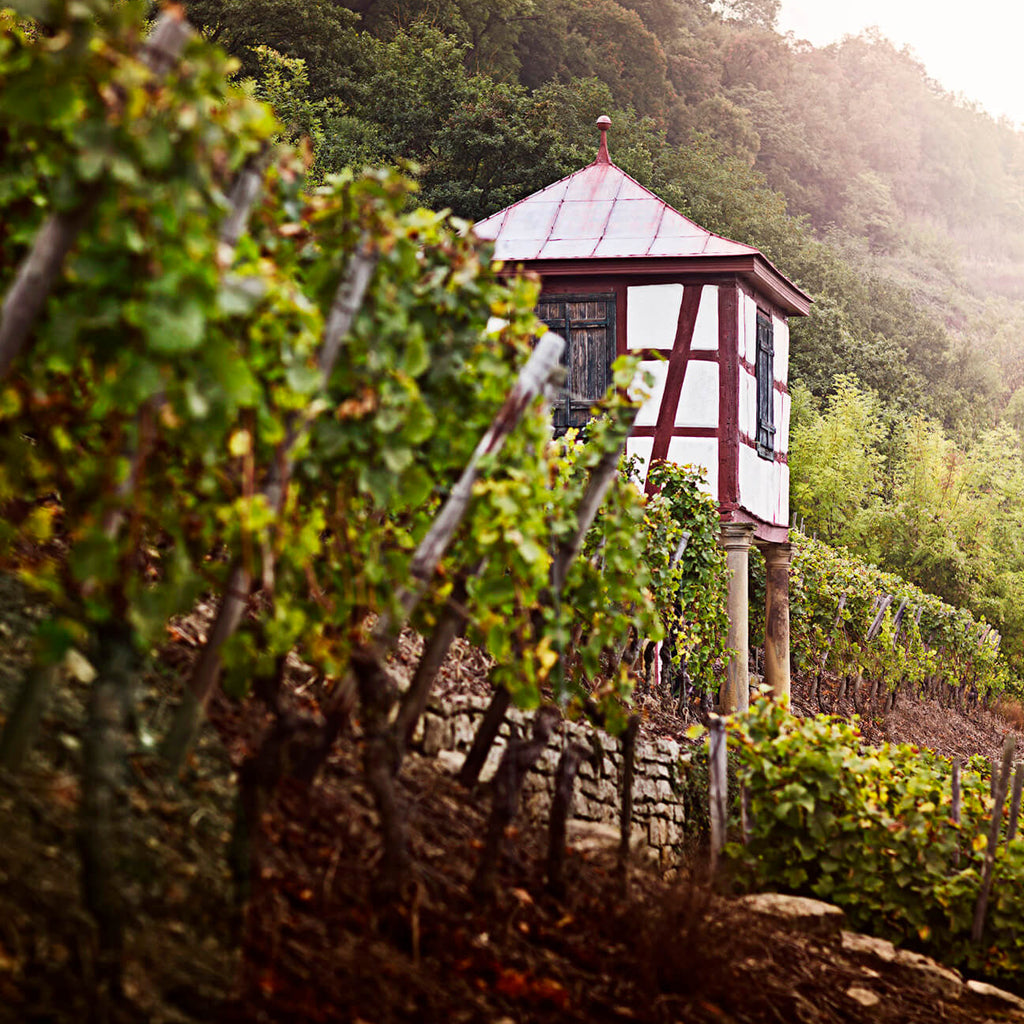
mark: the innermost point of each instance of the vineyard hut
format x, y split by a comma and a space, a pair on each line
622, 271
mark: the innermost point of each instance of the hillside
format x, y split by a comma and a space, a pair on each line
313, 948
897, 206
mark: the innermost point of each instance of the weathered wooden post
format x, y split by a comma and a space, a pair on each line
777, 559
718, 786
1002, 786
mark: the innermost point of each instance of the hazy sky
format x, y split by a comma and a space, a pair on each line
972, 48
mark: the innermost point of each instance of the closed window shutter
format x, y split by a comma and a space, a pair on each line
587, 322
765, 372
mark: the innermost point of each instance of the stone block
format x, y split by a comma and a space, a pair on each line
589, 836
450, 761
464, 730
417, 733
868, 949
927, 974
491, 764
667, 748
991, 998
863, 996
823, 920
437, 734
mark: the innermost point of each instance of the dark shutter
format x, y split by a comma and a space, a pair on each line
587, 322
765, 371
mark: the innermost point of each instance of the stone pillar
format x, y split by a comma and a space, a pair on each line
736, 538
776, 633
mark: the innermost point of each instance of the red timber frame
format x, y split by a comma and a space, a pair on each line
731, 294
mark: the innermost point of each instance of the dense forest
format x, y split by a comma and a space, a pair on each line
898, 206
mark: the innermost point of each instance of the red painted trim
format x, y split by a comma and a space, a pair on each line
620, 318
651, 353
676, 371
769, 533
754, 269
745, 364
749, 442
695, 432
703, 355
677, 432
728, 398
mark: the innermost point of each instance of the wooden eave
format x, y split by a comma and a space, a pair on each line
754, 269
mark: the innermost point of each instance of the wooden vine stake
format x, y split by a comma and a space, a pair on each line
1002, 787
573, 755
41, 266
347, 301
626, 807
955, 810
1018, 787
718, 785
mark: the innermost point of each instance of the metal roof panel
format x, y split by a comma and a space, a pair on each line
566, 249
582, 220
635, 218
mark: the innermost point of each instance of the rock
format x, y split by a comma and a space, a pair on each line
464, 732
814, 917
993, 998
927, 974
434, 730
450, 761
864, 996
417, 732
589, 836
667, 748
491, 764
867, 948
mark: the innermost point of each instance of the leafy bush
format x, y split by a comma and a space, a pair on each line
870, 829
932, 637
691, 595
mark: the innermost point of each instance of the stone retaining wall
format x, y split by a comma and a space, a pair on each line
446, 733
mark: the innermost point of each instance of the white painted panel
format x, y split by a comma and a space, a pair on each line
758, 484
748, 336
641, 447
648, 414
782, 509
652, 315
697, 451
780, 346
782, 404
748, 403
698, 400
705, 330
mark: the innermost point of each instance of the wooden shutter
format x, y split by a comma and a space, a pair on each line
765, 370
587, 322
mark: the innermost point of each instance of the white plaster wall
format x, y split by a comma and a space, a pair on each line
782, 408
652, 315
748, 334
782, 506
641, 447
705, 330
758, 484
697, 451
698, 399
748, 403
658, 369
780, 345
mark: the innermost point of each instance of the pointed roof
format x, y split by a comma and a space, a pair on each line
601, 213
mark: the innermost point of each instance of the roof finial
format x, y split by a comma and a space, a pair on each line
603, 123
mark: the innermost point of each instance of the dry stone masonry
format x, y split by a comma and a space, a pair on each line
446, 733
